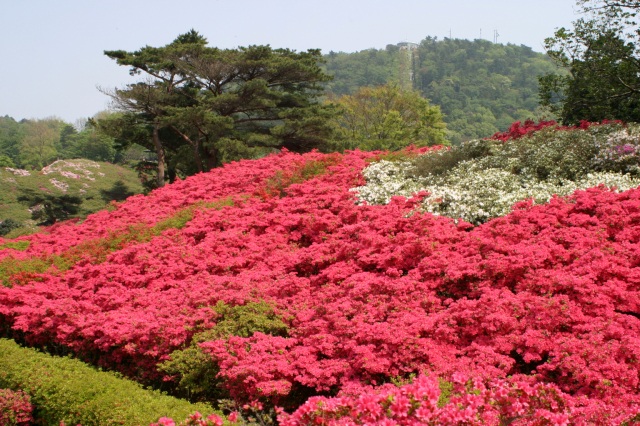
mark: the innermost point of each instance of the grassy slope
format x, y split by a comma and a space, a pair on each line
97, 183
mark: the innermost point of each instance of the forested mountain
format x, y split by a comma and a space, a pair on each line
481, 87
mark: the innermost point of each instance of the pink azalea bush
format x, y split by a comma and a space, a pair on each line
196, 419
15, 408
534, 317
517, 403
519, 129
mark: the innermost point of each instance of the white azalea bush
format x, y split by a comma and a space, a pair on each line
478, 189
386, 179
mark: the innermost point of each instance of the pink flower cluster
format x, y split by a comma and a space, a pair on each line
541, 305
519, 129
196, 419
15, 408
500, 402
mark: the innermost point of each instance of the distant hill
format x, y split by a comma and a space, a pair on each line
96, 184
480, 86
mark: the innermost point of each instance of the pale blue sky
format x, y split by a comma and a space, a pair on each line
51, 52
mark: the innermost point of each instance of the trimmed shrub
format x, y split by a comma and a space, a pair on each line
66, 390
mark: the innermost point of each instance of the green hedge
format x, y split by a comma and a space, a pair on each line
67, 390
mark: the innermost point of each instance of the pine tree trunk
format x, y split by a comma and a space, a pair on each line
160, 153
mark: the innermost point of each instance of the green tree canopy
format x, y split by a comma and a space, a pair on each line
387, 117
602, 59
10, 136
38, 144
220, 104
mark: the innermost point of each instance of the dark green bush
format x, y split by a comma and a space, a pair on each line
551, 154
47, 209
8, 225
546, 155
442, 161
66, 390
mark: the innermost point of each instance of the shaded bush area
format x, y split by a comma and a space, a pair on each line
8, 225
47, 209
118, 192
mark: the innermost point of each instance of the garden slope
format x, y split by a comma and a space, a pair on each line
548, 294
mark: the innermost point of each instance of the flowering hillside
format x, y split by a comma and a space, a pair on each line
92, 184
270, 284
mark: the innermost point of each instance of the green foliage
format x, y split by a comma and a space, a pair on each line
38, 144
403, 155
550, 155
15, 245
23, 230
8, 225
201, 106
35, 143
388, 118
442, 161
21, 271
350, 71
600, 59
11, 133
47, 209
118, 192
92, 145
446, 390
67, 390
195, 371
245, 320
6, 161
479, 86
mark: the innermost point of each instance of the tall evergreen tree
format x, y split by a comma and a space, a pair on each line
220, 104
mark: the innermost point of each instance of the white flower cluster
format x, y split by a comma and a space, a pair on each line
18, 172
386, 179
480, 189
479, 195
80, 166
62, 186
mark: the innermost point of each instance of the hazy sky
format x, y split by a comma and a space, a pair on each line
51, 52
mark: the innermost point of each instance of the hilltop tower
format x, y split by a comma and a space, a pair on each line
407, 62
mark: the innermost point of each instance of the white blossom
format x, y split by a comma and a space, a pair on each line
480, 189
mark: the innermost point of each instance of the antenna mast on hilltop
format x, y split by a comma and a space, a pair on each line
495, 36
